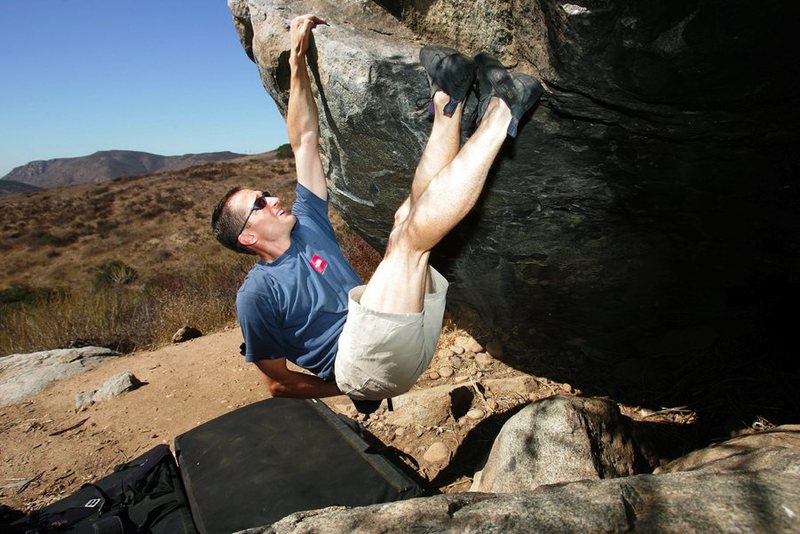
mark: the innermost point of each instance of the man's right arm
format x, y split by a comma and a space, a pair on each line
302, 117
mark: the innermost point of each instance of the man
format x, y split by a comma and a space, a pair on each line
303, 302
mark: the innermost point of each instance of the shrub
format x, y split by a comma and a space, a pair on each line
23, 294
114, 273
123, 318
284, 151
42, 238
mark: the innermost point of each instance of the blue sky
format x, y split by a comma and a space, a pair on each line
161, 76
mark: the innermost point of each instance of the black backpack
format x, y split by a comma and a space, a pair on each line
144, 496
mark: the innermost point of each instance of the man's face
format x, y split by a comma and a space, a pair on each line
272, 223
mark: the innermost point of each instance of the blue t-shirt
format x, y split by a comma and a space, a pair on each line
296, 306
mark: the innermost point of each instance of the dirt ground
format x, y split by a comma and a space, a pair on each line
48, 449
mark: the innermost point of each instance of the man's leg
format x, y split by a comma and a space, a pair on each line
442, 145
440, 150
399, 282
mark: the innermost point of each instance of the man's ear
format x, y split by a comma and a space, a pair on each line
247, 239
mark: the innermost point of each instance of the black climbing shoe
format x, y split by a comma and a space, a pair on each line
519, 91
448, 71
366, 406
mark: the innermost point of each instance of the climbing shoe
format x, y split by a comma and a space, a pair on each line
519, 91
448, 71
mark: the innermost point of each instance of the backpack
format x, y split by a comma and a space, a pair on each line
143, 496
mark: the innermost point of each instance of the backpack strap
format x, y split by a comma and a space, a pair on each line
111, 524
94, 506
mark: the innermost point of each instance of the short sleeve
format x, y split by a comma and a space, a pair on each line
259, 326
309, 205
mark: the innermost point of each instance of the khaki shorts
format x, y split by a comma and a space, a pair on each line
381, 355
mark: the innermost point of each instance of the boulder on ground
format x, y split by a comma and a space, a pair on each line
116, 385
562, 439
679, 502
185, 334
777, 449
23, 375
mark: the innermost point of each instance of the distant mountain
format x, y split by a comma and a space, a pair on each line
105, 165
12, 187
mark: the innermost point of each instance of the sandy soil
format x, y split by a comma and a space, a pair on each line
48, 449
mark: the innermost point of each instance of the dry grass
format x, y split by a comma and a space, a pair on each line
55, 242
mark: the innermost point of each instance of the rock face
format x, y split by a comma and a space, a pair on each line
562, 439
648, 207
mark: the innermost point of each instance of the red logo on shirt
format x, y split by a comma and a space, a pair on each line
318, 263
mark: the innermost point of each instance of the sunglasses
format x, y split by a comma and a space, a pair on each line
259, 204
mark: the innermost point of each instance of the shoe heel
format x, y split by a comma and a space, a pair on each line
512, 127
451, 106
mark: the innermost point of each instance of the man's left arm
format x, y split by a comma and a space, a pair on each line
302, 117
283, 382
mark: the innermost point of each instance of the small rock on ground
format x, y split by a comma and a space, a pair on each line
436, 453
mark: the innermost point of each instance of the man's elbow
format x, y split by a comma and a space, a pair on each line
304, 141
277, 389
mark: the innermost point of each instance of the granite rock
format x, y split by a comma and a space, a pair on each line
648, 205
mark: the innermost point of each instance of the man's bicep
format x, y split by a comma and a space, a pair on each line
310, 173
259, 324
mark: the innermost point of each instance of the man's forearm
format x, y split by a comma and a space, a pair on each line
302, 117
303, 386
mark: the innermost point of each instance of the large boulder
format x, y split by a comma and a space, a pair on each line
777, 449
23, 375
680, 502
647, 212
563, 439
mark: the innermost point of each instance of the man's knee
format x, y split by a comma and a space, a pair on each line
402, 212
404, 239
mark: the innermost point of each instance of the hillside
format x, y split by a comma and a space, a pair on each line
159, 223
106, 165
12, 187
